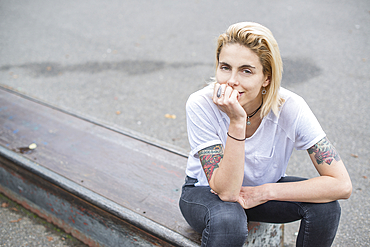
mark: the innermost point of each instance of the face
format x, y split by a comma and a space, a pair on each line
240, 68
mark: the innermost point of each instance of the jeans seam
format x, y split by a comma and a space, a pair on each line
208, 212
306, 231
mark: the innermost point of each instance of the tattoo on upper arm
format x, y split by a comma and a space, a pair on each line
324, 152
210, 157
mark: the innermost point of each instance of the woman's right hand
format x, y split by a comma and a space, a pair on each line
228, 102
228, 177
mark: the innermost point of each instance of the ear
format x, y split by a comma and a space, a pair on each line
266, 82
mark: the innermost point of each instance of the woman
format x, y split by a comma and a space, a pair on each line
242, 130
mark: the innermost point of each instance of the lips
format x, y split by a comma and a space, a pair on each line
240, 94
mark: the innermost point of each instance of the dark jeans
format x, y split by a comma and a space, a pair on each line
225, 223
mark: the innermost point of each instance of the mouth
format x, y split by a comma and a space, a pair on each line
240, 94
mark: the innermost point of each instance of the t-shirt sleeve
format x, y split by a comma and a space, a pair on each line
202, 124
308, 129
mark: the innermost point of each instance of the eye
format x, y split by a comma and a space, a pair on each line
224, 67
247, 71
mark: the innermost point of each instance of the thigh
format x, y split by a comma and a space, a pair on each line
195, 202
200, 206
278, 211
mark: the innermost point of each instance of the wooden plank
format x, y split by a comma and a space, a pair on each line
93, 225
139, 176
142, 177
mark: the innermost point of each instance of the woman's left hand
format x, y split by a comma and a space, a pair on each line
250, 197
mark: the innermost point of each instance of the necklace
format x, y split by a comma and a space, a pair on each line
253, 113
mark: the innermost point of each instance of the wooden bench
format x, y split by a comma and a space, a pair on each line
104, 186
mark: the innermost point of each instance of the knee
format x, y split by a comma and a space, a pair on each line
327, 212
335, 207
226, 225
335, 210
319, 224
331, 208
232, 220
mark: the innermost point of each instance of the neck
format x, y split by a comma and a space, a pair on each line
253, 106
249, 116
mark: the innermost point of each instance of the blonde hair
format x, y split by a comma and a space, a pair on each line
261, 41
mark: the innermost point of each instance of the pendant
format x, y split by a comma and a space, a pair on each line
248, 122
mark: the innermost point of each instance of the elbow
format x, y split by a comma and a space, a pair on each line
346, 190
225, 194
228, 197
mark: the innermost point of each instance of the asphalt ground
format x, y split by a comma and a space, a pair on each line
133, 64
19, 227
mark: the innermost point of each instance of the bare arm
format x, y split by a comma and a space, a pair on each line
333, 183
224, 166
210, 157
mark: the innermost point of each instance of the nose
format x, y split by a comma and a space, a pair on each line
233, 80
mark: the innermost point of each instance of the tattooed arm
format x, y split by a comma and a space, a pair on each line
323, 153
210, 157
224, 174
330, 167
333, 183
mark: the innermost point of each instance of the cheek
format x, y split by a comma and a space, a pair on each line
221, 78
252, 88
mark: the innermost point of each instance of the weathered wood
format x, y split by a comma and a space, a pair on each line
113, 167
144, 178
91, 224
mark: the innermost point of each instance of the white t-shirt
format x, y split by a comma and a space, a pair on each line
267, 151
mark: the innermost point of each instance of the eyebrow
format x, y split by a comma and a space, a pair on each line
243, 66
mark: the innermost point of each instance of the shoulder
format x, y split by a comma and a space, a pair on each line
290, 96
200, 99
290, 111
293, 103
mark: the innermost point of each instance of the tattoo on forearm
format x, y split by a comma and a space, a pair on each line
210, 158
324, 152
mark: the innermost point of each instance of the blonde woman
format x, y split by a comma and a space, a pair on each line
242, 130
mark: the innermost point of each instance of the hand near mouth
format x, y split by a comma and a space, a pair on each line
227, 99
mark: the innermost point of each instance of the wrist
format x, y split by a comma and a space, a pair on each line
237, 128
238, 122
267, 193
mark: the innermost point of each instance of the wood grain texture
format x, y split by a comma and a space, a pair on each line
141, 177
